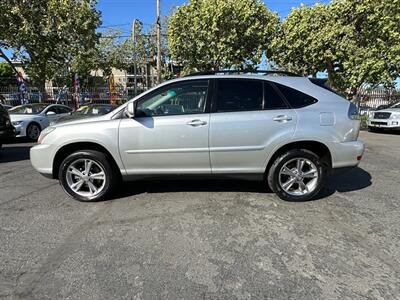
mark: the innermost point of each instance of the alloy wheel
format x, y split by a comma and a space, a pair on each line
298, 177
86, 177
33, 132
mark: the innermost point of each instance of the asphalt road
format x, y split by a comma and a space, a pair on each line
203, 239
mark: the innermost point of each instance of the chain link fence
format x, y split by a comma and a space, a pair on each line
378, 98
101, 95
366, 99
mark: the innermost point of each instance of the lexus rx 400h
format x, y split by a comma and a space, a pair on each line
289, 131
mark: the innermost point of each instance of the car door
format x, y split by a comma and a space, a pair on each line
62, 111
169, 133
50, 115
248, 118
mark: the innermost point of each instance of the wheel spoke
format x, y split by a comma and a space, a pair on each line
303, 187
287, 185
88, 166
299, 165
77, 185
92, 187
98, 176
287, 171
310, 174
75, 171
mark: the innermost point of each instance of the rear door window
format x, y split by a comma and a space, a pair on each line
295, 98
272, 98
239, 95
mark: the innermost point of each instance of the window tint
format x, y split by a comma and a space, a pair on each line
239, 95
272, 99
63, 110
296, 98
175, 99
52, 109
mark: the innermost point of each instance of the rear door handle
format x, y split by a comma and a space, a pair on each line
282, 118
197, 122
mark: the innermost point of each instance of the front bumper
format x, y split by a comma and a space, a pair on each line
41, 159
384, 123
20, 130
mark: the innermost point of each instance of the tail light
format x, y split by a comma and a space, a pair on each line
353, 112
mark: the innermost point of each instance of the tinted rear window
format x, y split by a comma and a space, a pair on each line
272, 98
239, 95
295, 98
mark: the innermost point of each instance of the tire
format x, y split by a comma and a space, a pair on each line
81, 185
285, 181
33, 131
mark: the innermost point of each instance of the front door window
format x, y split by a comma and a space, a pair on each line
176, 99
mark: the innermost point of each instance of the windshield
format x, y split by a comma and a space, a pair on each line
94, 110
30, 109
397, 105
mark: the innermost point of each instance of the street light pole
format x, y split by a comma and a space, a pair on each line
158, 42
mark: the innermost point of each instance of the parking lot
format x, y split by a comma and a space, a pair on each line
203, 239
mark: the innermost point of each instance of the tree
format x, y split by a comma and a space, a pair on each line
7, 75
113, 52
48, 34
213, 34
355, 42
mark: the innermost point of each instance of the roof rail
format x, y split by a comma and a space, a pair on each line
265, 72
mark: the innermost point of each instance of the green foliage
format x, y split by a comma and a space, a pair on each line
355, 42
48, 34
213, 34
7, 76
112, 52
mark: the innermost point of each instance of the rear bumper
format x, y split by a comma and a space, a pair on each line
346, 154
7, 133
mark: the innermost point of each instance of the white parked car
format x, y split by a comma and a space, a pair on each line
30, 119
388, 118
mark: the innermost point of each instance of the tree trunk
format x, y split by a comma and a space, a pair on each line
3, 55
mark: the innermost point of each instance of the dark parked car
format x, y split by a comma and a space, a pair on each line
7, 131
86, 111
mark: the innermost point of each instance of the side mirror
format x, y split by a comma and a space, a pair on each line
130, 109
50, 113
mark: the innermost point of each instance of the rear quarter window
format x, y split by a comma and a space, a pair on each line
295, 98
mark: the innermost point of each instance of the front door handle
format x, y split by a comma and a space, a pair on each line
282, 118
197, 122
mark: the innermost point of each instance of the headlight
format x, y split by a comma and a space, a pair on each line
395, 116
16, 123
44, 133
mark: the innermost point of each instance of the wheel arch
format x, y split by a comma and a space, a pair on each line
316, 147
68, 149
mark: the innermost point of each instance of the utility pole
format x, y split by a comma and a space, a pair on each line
133, 32
158, 42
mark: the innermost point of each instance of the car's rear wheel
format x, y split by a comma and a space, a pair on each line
296, 175
87, 175
33, 131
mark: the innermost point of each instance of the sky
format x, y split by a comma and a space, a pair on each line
121, 13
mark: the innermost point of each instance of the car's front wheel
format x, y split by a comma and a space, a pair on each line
87, 175
296, 175
33, 131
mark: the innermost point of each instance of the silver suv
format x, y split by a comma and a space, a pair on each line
289, 131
